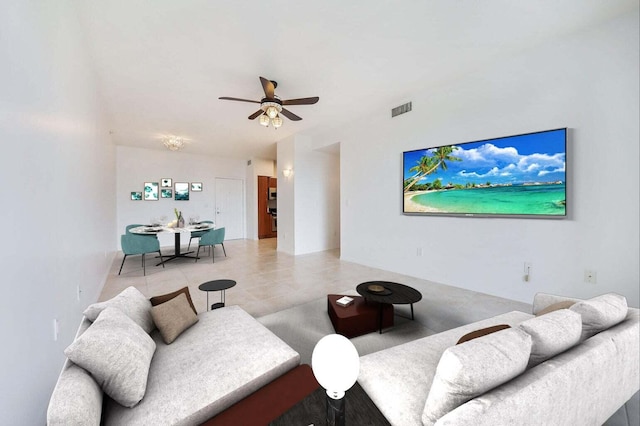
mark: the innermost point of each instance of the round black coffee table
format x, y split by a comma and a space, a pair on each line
391, 293
217, 285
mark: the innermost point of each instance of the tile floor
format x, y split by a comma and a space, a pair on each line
269, 281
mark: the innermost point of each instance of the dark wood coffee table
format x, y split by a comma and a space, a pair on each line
361, 317
394, 293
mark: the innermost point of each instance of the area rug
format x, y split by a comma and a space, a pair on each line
302, 326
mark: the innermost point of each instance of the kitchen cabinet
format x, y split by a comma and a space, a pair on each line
267, 207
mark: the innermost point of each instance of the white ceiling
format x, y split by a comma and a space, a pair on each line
162, 64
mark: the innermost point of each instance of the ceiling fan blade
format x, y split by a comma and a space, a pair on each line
291, 116
256, 114
301, 101
268, 87
226, 98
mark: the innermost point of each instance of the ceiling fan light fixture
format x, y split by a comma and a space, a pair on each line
271, 105
272, 112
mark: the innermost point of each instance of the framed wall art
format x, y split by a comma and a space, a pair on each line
196, 186
182, 191
166, 193
151, 191
136, 195
166, 183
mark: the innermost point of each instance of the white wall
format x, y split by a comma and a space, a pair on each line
138, 165
587, 82
286, 189
309, 199
317, 198
58, 202
258, 167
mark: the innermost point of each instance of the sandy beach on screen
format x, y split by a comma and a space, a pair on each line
411, 206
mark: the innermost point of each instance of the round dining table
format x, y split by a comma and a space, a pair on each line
155, 230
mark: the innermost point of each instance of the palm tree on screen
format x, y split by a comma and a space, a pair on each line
430, 164
421, 169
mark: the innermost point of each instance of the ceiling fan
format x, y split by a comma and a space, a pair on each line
271, 106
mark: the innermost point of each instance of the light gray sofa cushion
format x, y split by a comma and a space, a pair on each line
398, 379
556, 306
542, 301
552, 334
117, 353
600, 313
131, 302
474, 367
223, 358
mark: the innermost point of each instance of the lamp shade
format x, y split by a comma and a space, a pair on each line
272, 112
264, 120
336, 364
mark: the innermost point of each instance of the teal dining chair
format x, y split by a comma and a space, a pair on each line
211, 238
133, 244
127, 229
198, 234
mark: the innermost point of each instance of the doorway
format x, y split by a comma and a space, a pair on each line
229, 209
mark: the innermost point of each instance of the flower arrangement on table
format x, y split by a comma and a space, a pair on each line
176, 223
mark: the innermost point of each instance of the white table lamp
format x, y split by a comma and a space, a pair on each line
336, 365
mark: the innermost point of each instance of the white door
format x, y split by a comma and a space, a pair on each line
230, 207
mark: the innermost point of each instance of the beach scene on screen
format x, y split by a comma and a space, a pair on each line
516, 175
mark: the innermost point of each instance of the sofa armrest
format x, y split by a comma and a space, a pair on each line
542, 300
76, 399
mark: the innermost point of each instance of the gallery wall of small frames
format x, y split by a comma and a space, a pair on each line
166, 188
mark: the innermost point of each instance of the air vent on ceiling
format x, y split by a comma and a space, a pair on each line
401, 109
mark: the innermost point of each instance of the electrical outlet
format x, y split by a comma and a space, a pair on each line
419, 251
56, 329
79, 293
528, 266
590, 276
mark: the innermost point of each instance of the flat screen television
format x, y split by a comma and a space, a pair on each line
512, 176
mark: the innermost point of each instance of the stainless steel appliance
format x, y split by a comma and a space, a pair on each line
274, 220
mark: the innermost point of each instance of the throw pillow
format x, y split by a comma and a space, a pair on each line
600, 313
131, 302
466, 371
551, 334
173, 317
556, 306
117, 353
157, 300
482, 332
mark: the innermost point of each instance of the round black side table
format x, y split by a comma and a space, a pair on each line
392, 293
217, 285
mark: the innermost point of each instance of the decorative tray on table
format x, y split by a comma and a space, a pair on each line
378, 289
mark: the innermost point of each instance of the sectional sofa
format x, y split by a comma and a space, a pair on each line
222, 357
575, 365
